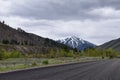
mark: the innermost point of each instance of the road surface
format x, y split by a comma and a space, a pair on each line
96, 70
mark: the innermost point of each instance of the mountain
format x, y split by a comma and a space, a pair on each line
114, 44
18, 39
76, 42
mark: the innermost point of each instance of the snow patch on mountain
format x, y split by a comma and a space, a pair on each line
76, 42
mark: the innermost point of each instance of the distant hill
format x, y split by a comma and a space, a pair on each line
18, 39
77, 43
114, 44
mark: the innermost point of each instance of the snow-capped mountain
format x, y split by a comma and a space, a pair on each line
76, 42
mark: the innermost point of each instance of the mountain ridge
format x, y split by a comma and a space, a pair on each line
114, 44
76, 42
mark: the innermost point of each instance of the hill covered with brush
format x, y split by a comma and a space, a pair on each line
20, 40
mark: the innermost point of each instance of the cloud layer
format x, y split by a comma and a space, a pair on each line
61, 9
96, 21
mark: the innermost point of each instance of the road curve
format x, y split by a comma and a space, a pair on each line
96, 70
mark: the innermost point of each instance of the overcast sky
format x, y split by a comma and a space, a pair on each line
97, 21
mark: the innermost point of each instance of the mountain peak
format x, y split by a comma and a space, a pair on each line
76, 42
73, 37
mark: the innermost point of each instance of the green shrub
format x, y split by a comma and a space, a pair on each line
103, 57
34, 64
2, 55
5, 41
69, 54
15, 54
45, 62
5, 55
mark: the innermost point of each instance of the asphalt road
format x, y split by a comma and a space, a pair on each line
96, 70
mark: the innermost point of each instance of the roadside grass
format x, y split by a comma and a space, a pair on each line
25, 63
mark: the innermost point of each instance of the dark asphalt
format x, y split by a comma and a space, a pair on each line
96, 70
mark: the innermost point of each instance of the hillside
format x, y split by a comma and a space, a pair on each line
114, 44
12, 39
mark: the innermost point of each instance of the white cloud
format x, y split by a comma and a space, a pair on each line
4, 7
106, 12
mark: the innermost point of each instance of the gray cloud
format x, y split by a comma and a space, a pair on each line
60, 9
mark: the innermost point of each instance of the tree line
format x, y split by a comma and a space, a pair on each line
15, 42
55, 53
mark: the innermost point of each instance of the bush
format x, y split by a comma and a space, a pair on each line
103, 57
15, 54
5, 55
45, 62
5, 41
34, 64
111, 57
2, 55
69, 54
111, 53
